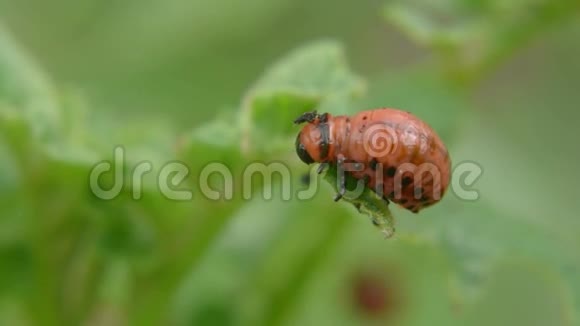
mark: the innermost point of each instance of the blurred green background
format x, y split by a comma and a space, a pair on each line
221, 81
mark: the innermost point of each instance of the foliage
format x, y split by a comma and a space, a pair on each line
510, 257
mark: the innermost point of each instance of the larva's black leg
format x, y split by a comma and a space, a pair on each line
321, 167
385, 197
341, 179
366, 179
307, 117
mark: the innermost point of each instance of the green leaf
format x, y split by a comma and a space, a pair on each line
256, 256
10, 178
319, 69
522, 294
473, 36
304, 80
221, 133
34, 117
287, 107
214, 141
26, 94
366, 202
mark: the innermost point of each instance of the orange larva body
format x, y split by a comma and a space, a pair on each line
398, 155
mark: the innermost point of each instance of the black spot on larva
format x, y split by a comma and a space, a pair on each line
391, 171
406, 181
373, 164
365, 117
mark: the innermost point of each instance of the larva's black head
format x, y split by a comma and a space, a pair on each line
302, 152
312, 143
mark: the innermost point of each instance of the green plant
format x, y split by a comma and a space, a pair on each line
71, 258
